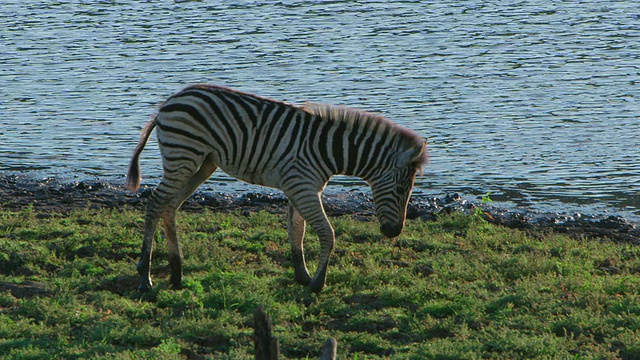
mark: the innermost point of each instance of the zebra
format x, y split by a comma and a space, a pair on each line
296, 149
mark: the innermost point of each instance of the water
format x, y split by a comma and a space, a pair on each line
535, 102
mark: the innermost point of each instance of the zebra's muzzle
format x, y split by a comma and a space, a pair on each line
391, 230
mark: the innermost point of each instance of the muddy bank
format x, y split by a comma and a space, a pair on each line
50, 195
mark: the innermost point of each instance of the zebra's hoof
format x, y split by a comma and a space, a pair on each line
176, 282
316, 286
318, 281
316, 289
145, 285
303, 279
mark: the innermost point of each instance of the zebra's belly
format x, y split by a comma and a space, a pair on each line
269, 179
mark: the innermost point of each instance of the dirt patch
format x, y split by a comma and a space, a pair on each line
25, 290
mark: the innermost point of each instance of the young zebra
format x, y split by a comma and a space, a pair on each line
279, 145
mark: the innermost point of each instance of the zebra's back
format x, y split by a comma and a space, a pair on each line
249, 137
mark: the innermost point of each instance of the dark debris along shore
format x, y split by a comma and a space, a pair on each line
51, 195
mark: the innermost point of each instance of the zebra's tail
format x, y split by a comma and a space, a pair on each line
133, 176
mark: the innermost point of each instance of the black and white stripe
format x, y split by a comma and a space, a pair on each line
272, 143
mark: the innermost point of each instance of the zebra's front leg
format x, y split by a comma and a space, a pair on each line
327, 241
309, 205
296, 238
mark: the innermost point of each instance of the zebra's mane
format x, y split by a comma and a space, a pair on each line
351, 116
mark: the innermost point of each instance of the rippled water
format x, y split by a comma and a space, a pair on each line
535, 102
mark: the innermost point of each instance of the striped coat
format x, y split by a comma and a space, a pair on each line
293, 148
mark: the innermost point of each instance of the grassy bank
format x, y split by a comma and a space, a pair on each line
457, 288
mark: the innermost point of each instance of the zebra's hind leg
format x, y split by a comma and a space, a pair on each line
168, 192
173, 248
155, 205
169, 220
296, 238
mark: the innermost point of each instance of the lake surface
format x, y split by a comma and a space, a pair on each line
536, 102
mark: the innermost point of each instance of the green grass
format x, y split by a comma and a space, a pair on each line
457, 288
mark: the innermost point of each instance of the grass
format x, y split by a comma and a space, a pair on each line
456, 288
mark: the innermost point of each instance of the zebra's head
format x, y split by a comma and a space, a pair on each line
392, 189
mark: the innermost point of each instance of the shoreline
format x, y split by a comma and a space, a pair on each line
50, 195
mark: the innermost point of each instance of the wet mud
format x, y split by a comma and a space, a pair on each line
53, 196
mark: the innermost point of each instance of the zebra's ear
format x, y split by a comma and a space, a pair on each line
412, 155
